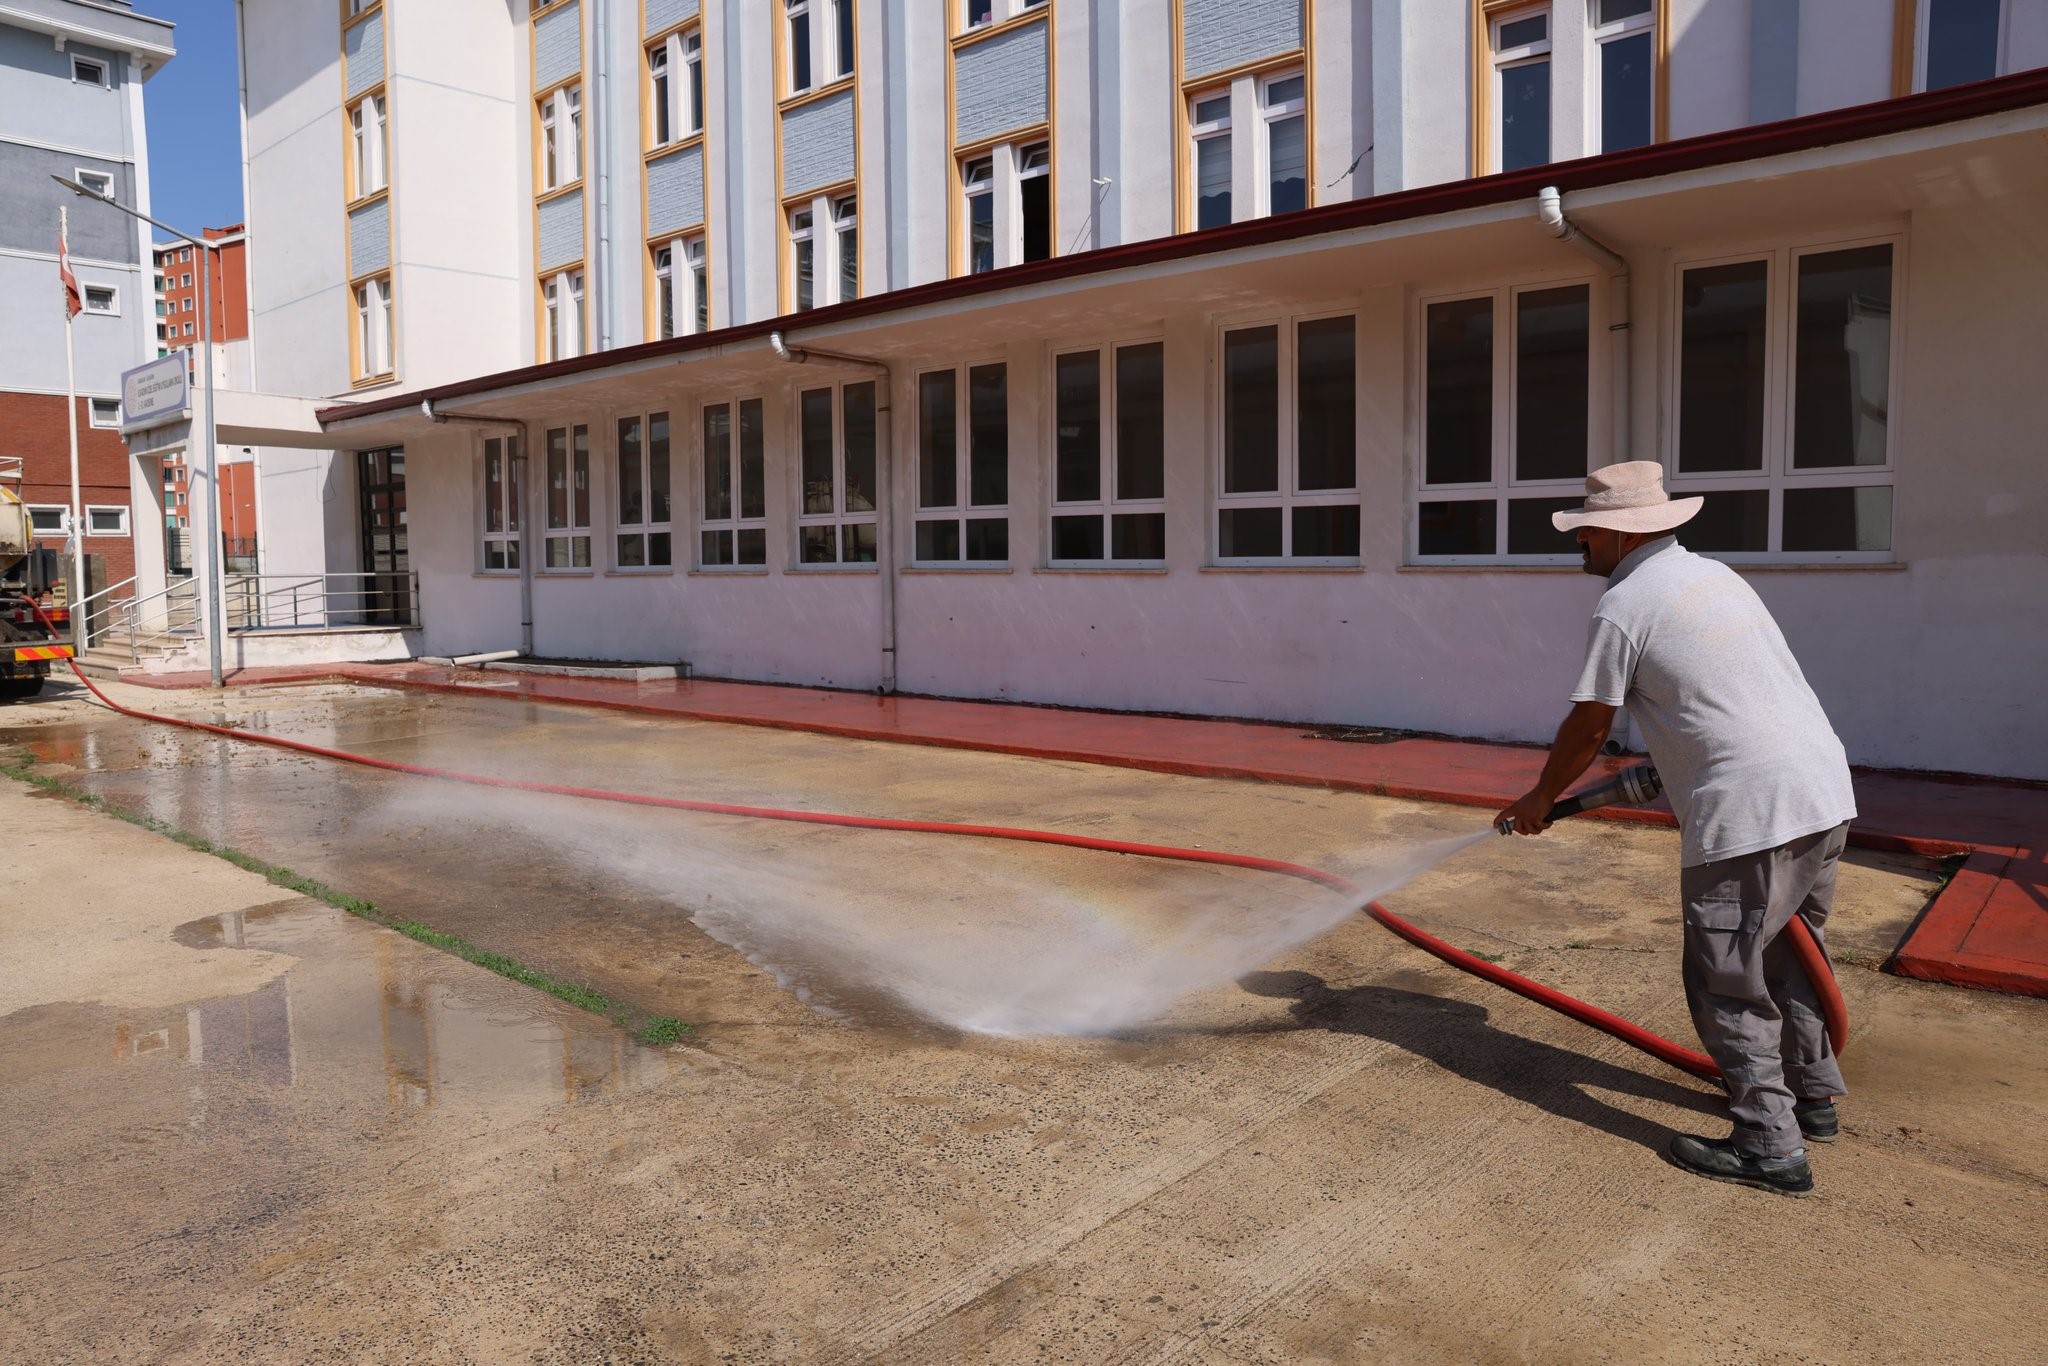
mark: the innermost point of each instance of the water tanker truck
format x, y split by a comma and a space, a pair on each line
27, 571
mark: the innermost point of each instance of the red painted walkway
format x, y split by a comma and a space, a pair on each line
1988, 928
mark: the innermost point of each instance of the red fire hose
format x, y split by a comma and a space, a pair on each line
1684, 1059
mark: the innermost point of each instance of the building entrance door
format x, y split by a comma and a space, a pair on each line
387, 565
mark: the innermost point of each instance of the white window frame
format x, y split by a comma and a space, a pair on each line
95, 511
1596, 87
998, 12
810, 42
648, 526
802, 220
1109, 504
822, 231
101, 72
845, 236
840, 516
1269, 115
1201, 130
112, 293
369, 139
735, 525
561, 138
973, 187
40, 517
1780, 384
93, 410
507, 538
1504, 486
1008, 168
573, 535
1923, 30
375, 341
87, 176
563, 322
1506, 59
839, 63
962, 509
1289, 495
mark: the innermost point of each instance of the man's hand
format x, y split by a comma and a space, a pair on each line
1527, 815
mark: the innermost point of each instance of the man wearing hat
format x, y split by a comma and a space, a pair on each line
1761, 789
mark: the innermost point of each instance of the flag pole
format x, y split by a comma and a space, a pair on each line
74, 592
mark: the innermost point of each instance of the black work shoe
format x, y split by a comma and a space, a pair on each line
1718, 1159
1817, 1120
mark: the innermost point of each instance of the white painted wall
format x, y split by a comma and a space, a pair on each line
1845, 53
1709, 67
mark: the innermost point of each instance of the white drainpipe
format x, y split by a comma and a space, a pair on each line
885, 512
1550, 212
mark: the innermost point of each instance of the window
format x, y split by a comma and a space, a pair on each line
105, 412
1283, 103
978, 184
846, 234
561, 138
359, 304
1624, 40
675, 70
733, 531
565, 534
818, 53
101, 299
99, 182
831, 275
186, 281
643, 534
1034, 201
802, 259
562, 299
48, 520
1961, 41
1109, 456
836, 521
1210, 123
981, 13
1783, 401
106, 521
370, 144
1272, 163
1506, 428
963, 465
88, 71
1521, 90
682, 299
1288, 479
1020, 177
373, 327
800, 55
842, 37
501, 503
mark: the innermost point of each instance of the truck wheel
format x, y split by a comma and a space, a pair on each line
21, 687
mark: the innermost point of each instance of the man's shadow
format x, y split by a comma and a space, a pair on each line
1455, 1036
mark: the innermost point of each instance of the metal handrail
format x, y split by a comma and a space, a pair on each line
253, 602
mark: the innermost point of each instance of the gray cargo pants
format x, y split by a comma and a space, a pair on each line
1755, 1011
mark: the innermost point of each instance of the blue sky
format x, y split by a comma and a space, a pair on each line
192, 109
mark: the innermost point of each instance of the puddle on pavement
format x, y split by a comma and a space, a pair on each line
364, 1015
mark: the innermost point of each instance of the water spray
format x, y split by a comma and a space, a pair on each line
1636, 786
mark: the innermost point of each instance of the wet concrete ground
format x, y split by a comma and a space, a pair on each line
245, 1124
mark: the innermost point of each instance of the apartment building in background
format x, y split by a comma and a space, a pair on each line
71, 82
1216, 356
180, 320
181, 324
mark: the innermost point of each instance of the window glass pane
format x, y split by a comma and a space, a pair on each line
630, 493
1077, 538
1326, 531
988, 538
1077, 440
1721, 368
494, 555
558, 477
815, 418
1524, 115
858, 543
1251, 410
753, 463
494, 485
800, 52
717, 462
718, 547
657, 469
1552, 365
1838, 519
1286, 90
819, 545
1531, 532
1034, 197
1326, 411
1288, 190
938, 540
1739, 519
1626, 70
981, 232
1138, 536
1458, 407
1522, 32
849, 262
579, 442
632, 552
978, 11
1141, 421
937, 443
1245, 533
1842, 388
804, 287
988, 426
1962, 41
1212, 181
1614, 11
657, 550
858, 416
1460, 528
843, 13
751, 545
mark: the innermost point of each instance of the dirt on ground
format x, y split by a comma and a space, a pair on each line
240, 1123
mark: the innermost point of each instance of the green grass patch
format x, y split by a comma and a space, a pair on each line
1489, 957
654, 1031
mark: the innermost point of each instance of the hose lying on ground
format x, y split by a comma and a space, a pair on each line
1812, 959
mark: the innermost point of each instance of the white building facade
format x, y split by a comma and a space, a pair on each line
1216, 356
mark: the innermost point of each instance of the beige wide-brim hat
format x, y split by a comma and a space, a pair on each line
1628, 497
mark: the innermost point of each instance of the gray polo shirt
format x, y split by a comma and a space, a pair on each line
1745, 752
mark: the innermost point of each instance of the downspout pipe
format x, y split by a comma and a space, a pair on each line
1550, 213
885, 505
